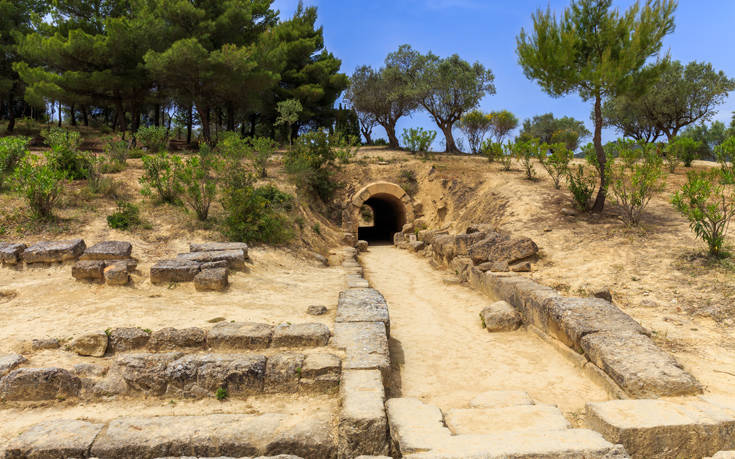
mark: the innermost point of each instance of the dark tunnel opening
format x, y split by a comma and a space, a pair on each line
388, 218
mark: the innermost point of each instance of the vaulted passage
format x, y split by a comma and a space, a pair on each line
388, 218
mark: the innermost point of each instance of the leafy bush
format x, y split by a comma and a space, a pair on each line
380, 142
408, 181
12, 149
39, 182
125, 217
346, 147
709, 206
161, 174
311, 161
555, 158
582, 185
525, 152
418, 140
493, 151
506, 158
683, 148
636, 176
725, 154
65, 155
198, 181
233, 147
261, 149
118, 152
475, 125
154, 139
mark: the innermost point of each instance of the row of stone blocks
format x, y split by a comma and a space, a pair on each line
206, 265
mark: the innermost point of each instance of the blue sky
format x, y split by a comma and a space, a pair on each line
363, 32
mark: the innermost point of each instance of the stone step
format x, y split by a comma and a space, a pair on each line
363, 425
362, 305
54, 251
217, 435
491, 420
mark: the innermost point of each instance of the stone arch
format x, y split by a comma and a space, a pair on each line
392, 208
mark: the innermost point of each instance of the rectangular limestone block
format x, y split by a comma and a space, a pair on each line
240, 335
60, 438
301, 335
219, 247
166, 271
363, 428
11, 253
92, 270
491, 420
658, 428
234, 258
363, 305
108, 250
365, 345
54, 251
197, 375
638, 366
415, 426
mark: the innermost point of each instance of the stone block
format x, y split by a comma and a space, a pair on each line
91, 344
415, 426
11, 253
89, 270
320, 373
362, 305
301, 335
496, 248
219, 247
500, 316
416, 246
215, 265
240, 335
283, 372
166, 271
212, 280
44, 344
9, 362
316, 310
128, 339
478, 421
52, 439
54, 251
146, 372
108, 250
38, 384
365, 345
174, 339
362, 246
357, 281
234, 258
201, 375
501, 399
724, 455
494, 266
638, 366
363, 428
117, 274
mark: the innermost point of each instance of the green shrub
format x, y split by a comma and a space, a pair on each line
65, 155
125, 217
154, 139
555, 158
95, 169
636, 176
311, 162
685, 149
709, 206
222, 394
317, 229
582, 185
261, 149
39, 182
233, 147
12, 150
118, 152
199, 182
492, 150
418, 140
506, 158
475, 125
381, 142
408, 181
725, 154
525, 152
161, 175
345, 147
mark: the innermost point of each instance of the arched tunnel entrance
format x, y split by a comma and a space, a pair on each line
380, 210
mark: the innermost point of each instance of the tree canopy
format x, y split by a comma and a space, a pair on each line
550, 130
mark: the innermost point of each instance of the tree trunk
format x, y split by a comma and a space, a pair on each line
204, 114
60, 109
253, 123
73, 117
451, 147
189, 124
242, 129
601, 157
11, 113
367, 133
121, 116
85, 116
390, 130
230, 118
157, 115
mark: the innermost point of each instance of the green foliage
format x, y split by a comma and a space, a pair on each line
117, 152
126, 216
506, 158
408, 181
160, 174
582, 185
418, 140
198, 180
233, 147
555, 158
65, 155
221, 394
154, 139
502, 123
39, 182
636, 177
12, 149
683, 148
317, 228
311, 162
288, 114
725, 154
709, 206
261, 149
525, 153
709, 137
475, 125
493, 151
552, 130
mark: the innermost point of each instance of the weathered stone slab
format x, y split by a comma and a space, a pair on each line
415, 426
166, 271
501, 399
362, 246
724, 455
90, 270
128, 339
638, 366
365, 345
54, 251
357, 281
11, 253
146, 372
500, 316
219, 247
108, 250
173, 339
215, 264
212, 280
499, 249
658, 428
301, 335
202, 375
362, 305
10, 362
55, 439
240, 335
478, 421
320, 373
117, 274
91, 344
283, 372
234, 258
416, 246
362, 421
44, 344
38, 384
233, 435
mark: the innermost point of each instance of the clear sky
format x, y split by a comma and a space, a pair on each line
363, 32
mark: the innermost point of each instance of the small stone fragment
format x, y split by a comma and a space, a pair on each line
9, 362
603, 293
212, 280
524, 267
315, 310
117, 274
11, 253
92, 345
500, 316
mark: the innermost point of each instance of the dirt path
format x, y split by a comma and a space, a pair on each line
443, 356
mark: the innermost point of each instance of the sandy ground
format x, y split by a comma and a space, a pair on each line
443, 356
